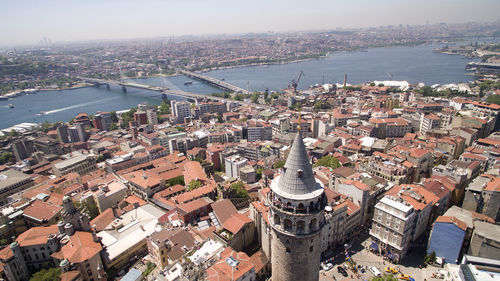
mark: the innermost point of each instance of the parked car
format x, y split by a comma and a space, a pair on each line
375, 271
342, 271
404, 277
391, 270
327, 266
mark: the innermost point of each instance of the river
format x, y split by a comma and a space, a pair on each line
414, 64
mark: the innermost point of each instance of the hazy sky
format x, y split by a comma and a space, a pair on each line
28, 21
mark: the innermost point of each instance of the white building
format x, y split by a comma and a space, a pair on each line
392, 226
180, 109
234, 164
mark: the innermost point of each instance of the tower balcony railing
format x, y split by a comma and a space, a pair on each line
290, 208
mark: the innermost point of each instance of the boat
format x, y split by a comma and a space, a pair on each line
42, 113
188, 83
10, 105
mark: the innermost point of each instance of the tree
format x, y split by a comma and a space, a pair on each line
255, 97
100, 158
176, 180
219, 118
430, 258
113, 127
51, 274
13, 133
113, 116
46, 126
194, 185
279, 164
385, 277
6, 157
328, 161
494, 99
164, 108
89, 207
240, 189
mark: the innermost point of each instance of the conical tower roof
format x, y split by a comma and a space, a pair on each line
297, 180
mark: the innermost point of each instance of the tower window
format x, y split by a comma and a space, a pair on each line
300, 173
311, 249
287, 250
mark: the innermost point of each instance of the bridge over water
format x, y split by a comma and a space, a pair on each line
215, 82
164, 91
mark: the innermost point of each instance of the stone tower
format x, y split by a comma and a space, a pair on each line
296, 215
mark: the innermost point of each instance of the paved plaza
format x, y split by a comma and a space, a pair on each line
362, 256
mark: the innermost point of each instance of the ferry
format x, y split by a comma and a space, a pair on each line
188, 83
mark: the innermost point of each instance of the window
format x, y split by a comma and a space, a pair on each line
379, 218
288, 250
311, 249
397, 226
43, 255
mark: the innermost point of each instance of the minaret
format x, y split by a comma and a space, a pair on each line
296, 215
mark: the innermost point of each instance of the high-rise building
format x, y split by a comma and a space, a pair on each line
140, 118
80, 128
151, 116
297, 202
102, 121
62, 132
73, 134
180, 109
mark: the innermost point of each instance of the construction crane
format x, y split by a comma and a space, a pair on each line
295, 82
390, 76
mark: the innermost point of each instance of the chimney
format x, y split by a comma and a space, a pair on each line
345, 79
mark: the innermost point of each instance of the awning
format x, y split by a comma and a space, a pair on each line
374, 246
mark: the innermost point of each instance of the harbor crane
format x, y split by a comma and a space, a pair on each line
295, 82
390, 76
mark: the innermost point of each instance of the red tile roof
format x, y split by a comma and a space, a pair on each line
236, 222
81, 247
36, 235
40, 210
453, 220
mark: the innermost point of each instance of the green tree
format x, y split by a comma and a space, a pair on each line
239, 189
385, 277
328, 161
100, 158
494, 99
128, 117
164, 108
6, 157
113, 116
13, 133
255, 97
258, 175
4, 242
194, 185
113, 127
51, 274
219, 118
430, 258
180, 129
176, 180
46, 126
89, 207
279, 164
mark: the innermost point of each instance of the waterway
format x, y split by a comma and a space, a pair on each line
414, 64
